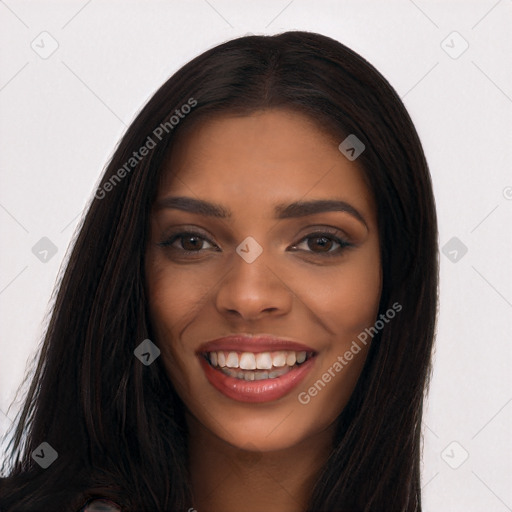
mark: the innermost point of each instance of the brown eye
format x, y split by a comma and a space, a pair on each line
322, 243
192, 242
188, 242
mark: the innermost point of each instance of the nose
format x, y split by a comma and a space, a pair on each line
253, 291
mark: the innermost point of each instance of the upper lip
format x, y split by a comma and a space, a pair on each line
253, 343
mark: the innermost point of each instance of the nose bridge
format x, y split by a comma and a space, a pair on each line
250, 287
250, 267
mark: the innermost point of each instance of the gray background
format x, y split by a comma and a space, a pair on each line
74, 73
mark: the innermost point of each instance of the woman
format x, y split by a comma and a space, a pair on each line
247, 317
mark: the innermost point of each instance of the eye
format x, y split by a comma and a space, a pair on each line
322, 243
188, 242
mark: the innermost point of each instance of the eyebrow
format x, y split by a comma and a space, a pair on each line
282, 211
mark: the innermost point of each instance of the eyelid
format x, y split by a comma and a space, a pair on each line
326, 230
335, 234
339, 237
186, 229
170, 238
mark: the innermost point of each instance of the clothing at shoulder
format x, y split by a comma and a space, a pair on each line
100, 505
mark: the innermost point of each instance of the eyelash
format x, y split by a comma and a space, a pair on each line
332, 235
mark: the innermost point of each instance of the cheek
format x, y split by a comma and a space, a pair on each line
176, 296
175, 300
350, 303
358, 298
347, 298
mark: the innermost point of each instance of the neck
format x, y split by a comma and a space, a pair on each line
229, 479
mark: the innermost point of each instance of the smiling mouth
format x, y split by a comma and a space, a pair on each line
250, 366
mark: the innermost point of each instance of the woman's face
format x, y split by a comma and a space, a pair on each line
264, 242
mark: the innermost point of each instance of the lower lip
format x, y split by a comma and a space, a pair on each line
258, 391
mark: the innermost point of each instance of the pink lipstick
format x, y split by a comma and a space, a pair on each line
255, 369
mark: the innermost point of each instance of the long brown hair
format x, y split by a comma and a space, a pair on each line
118, 425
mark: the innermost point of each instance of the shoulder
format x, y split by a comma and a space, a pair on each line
100, 505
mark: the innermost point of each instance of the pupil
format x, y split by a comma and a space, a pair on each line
322, 242
191, 243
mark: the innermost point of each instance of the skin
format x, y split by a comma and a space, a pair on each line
253, 457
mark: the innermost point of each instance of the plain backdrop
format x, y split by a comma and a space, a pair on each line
74, 73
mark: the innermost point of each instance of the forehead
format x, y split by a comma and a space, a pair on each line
266, 156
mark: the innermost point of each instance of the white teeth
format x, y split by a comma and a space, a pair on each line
232, 360
253, 366
279, 359
248, 361
264, 361
301, 357
291, 359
